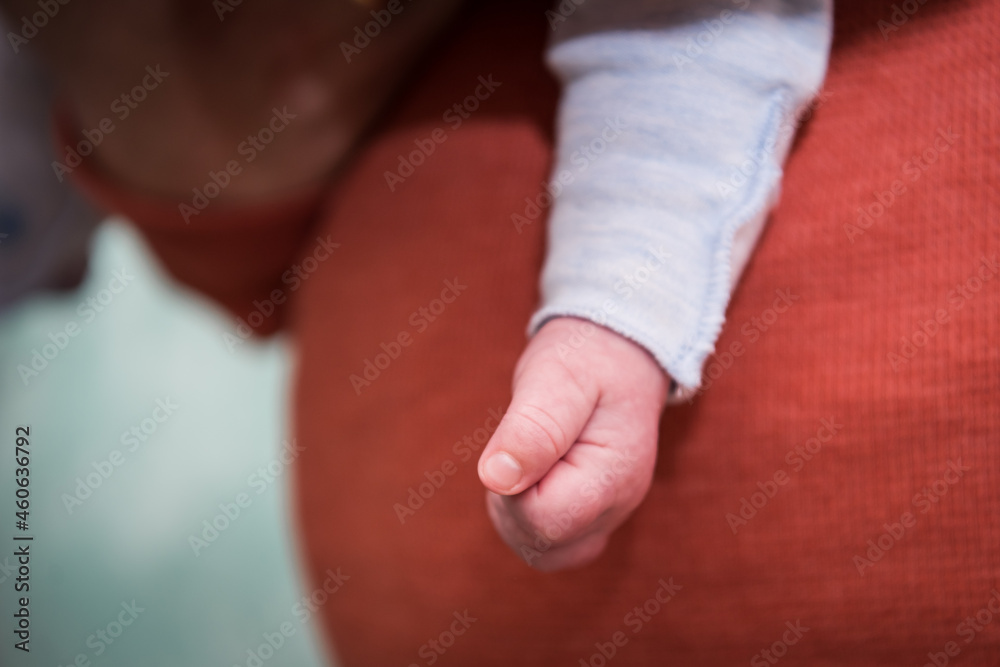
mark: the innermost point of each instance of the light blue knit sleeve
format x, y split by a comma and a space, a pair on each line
675, 120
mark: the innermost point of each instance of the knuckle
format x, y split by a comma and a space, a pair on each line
537, 426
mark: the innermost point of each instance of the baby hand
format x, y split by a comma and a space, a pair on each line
574, 453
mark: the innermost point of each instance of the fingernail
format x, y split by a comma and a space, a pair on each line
502, 471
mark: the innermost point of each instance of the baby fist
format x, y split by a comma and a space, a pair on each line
573, 456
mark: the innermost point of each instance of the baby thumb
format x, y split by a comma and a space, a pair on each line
546, 416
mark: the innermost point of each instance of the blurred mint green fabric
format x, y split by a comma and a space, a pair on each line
124, 552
